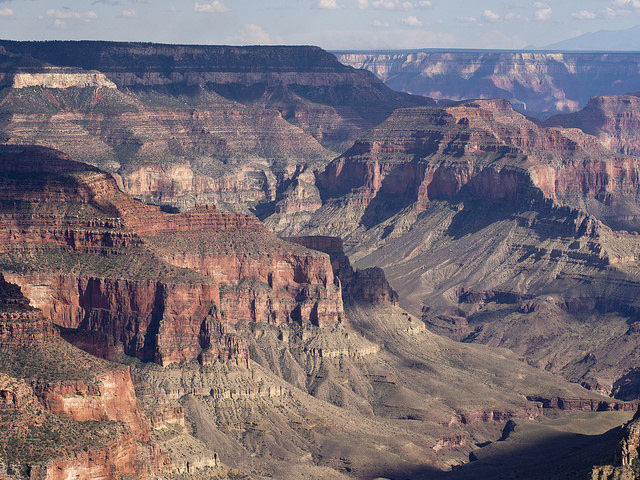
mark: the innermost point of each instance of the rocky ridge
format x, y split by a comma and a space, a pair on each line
58, 420
235, 126
484, 221
612, 119
266, 388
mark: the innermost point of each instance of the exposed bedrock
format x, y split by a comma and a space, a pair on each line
482, 150
369, 284
614, 120
98, 260
496, 230
49, 390
182, 125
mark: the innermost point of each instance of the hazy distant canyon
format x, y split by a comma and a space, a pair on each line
538, 84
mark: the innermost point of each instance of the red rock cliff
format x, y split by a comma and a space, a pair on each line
146, 277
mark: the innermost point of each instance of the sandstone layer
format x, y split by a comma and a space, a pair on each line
496, 230
614, 120
93, 258
182, 125
58, 420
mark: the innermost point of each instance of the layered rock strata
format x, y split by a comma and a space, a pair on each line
484, 222
536, 83
58, 420
614, 120
369, 284
182, 125
150, 279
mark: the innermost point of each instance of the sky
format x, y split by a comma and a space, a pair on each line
330, 24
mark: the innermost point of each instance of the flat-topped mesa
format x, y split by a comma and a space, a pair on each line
97, 259
369, 284
61, 78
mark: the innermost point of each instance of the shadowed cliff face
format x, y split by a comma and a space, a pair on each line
180, 125
91, 257
495, 230
538, 84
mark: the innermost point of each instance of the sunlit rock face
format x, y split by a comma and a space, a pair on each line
180, 125
496, 230
161, 284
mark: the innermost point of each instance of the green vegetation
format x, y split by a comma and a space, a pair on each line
134, 264
25, 443
53, 360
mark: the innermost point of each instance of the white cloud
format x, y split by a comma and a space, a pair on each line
251, 35
59, 15
515, 17
425, 4
388, 4
6, 12
327, 4
610, 12
624, 3
412, 21
129, 13
213, 7
490, 15
584, 15
544, 11
362, 3
378, 23
407, 5
467, 19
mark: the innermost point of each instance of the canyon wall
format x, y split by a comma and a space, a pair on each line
538, 84
150, 279
483, 220
181, 125
60, 419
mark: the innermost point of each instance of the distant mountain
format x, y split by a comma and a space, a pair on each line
602, 40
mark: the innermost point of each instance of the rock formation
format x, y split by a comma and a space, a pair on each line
495, 230
63, 412
93, 258
181, 125
626, 465
538, 84
369, 284
614, 120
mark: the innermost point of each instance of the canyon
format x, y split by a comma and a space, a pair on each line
537, 83
233, 126
441, 276
219, 318
552, 211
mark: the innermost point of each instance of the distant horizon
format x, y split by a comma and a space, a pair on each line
341, 50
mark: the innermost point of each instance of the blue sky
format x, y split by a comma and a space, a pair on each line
331, 24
